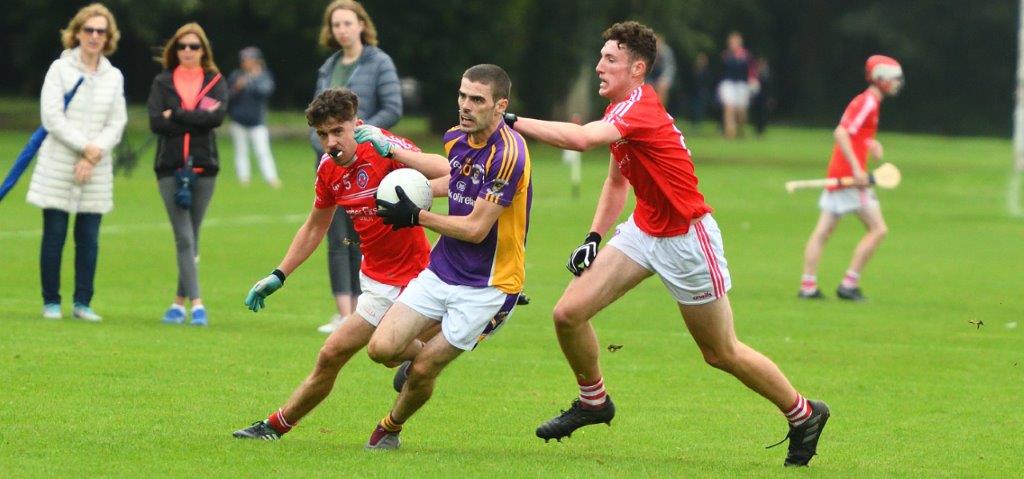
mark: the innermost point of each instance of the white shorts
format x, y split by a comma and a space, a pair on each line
848, 200
692, 265
375, 299
734, 93
467, 314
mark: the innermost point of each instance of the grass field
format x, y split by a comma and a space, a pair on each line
916, 391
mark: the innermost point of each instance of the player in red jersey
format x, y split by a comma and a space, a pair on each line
855, 141
671, 233
347, 177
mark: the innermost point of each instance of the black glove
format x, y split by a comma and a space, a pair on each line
582, 257
402, 214
510, 119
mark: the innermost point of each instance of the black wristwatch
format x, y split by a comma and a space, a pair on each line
510, 120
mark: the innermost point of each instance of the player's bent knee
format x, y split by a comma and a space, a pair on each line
724, 360
424, 370
331, 358
381, 352
566, 316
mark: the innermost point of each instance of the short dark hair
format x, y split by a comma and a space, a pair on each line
638, 39
340, 103
493, 75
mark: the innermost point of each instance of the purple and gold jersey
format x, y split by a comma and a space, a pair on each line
497, 171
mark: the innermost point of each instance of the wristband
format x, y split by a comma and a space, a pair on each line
280, 274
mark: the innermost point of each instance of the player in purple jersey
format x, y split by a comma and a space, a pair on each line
477, 268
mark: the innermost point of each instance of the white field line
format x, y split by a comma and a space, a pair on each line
117, 229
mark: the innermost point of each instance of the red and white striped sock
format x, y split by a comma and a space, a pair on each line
278, 422
851, 279
593, 396
808, 283
799, 412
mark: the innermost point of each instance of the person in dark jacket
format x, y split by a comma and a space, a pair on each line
251, 86
369, 72
187, 100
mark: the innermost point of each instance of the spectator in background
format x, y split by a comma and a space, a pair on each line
251, 86
74, 174
702, 82
369, 72
186, 102
734, 90
763, 103
663, 72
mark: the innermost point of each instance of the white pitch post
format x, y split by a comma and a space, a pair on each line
1013, 198
574, 159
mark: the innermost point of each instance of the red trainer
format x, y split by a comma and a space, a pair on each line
383, 439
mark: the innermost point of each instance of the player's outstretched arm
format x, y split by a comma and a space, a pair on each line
307, 238
303, 244
612, 200
431, 165
609, 206
439, 186
567, 136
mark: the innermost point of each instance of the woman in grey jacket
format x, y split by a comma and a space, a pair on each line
369, 72
74, 174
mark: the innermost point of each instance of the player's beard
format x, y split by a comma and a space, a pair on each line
475, 125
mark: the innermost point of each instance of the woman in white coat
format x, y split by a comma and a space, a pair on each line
74, 173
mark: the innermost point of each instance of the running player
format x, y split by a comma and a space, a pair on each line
855, 141
348, 176
476, 270
671, 233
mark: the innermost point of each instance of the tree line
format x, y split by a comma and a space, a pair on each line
959, 60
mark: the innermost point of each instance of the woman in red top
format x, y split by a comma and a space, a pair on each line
186, 102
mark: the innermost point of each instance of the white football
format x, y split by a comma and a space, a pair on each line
413, 183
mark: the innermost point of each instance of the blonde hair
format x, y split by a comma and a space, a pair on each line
169, 58
69, 35
369, 35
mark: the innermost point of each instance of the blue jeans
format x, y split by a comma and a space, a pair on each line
55, 231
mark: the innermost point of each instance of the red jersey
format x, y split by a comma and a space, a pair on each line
861, 121
653, 156
391, 257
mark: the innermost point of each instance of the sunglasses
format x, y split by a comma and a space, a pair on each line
191, 46
94, 31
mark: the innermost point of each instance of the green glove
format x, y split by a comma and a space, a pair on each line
263, 288
372, 135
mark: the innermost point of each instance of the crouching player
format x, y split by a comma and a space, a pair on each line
476, 269
347, 177
855, 140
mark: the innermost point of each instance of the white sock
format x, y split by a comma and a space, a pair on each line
808, 283
851, 279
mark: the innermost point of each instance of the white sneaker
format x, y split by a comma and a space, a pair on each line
85, 313
332, 326
52, 311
